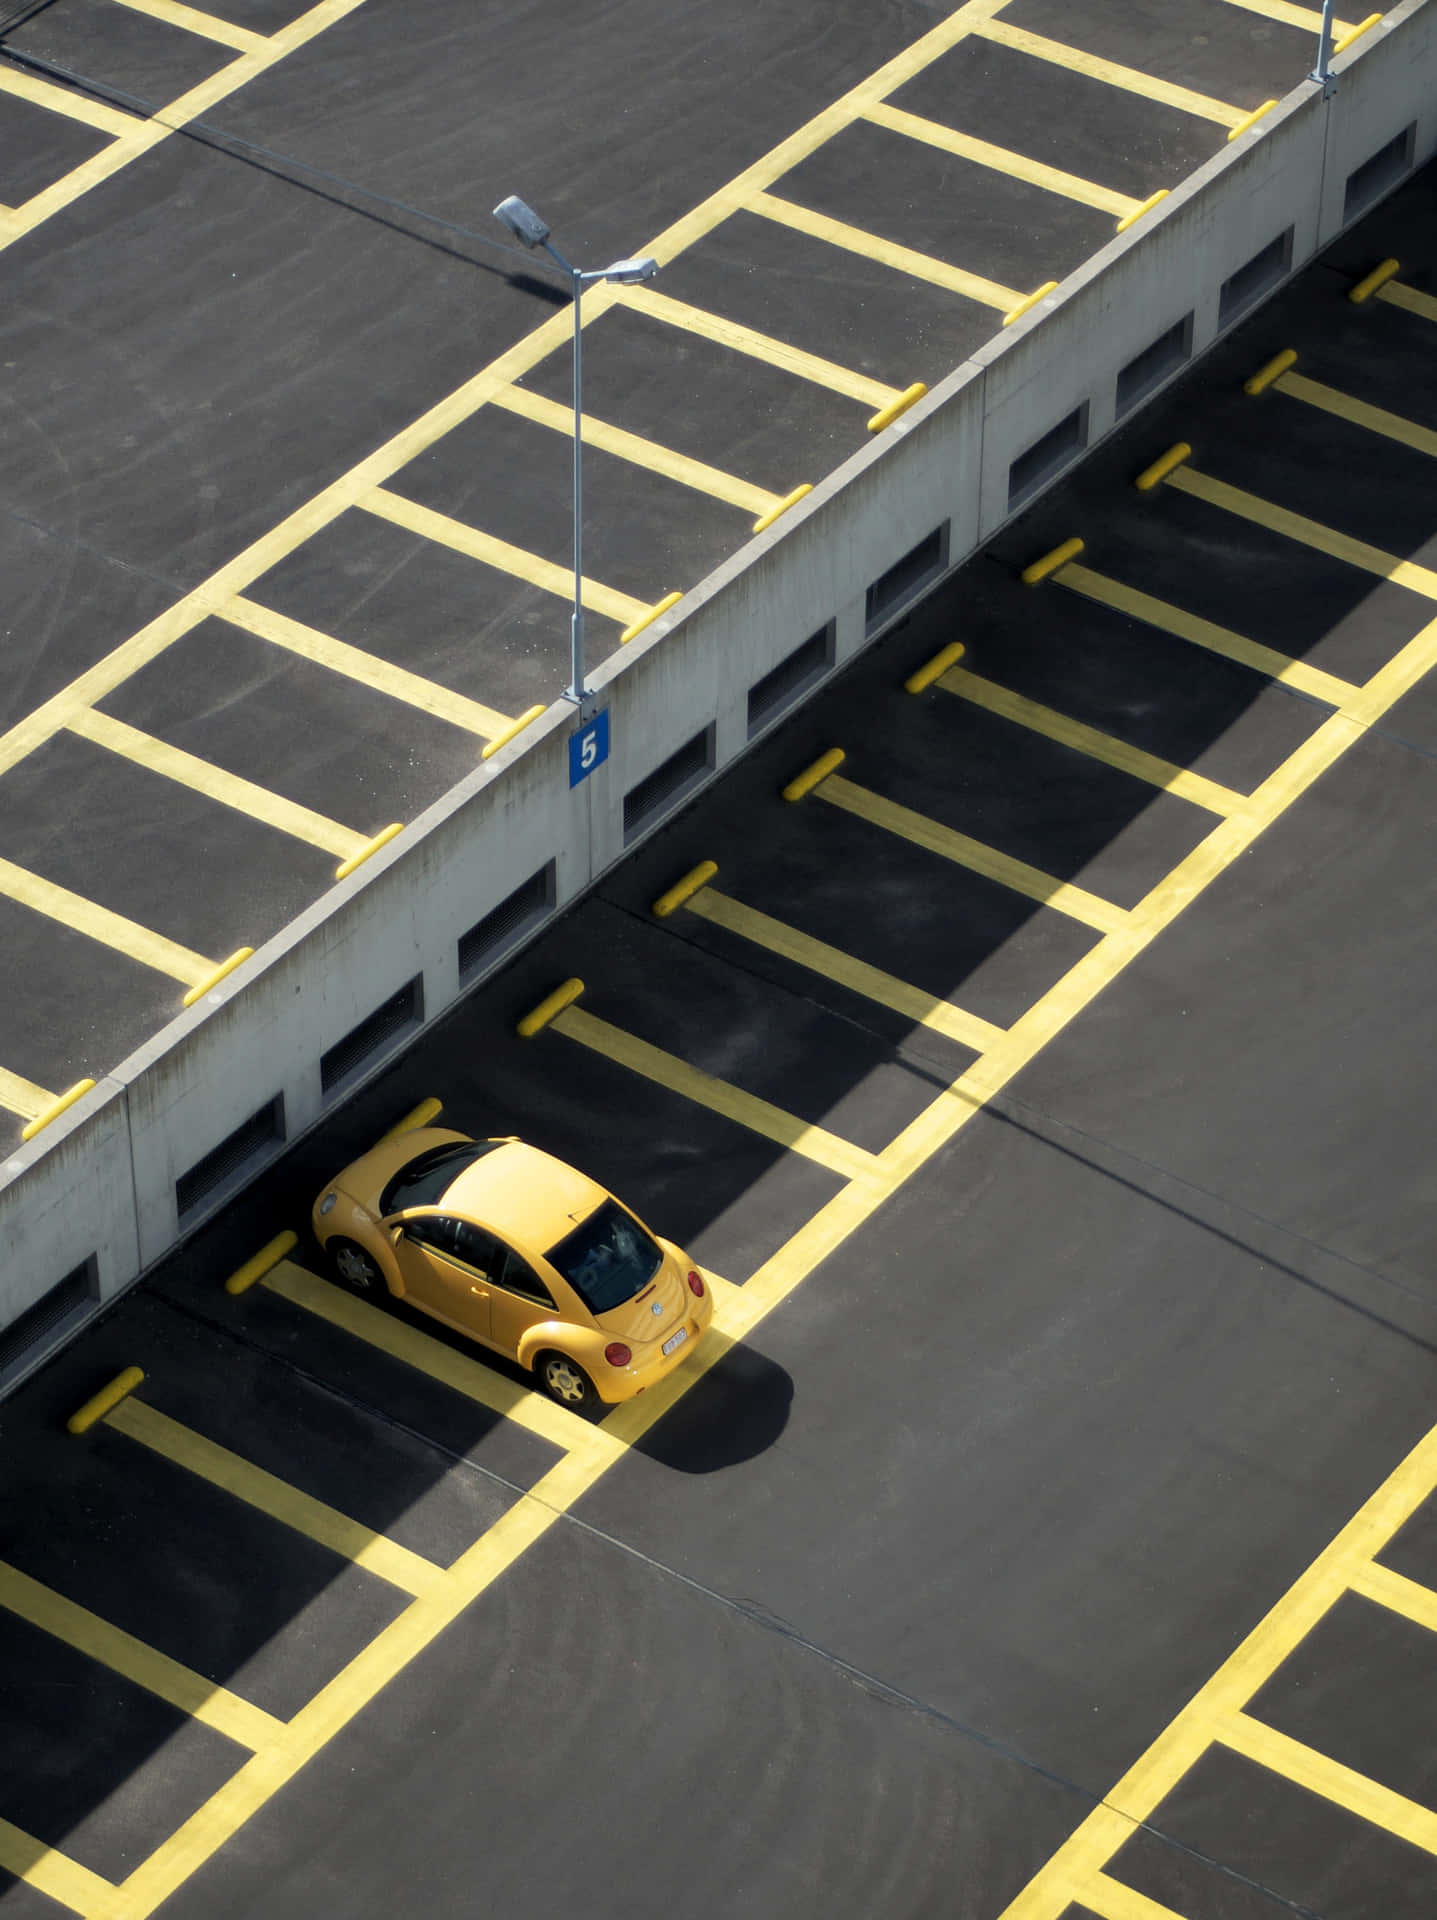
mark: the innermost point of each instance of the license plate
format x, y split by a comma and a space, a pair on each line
676, 1339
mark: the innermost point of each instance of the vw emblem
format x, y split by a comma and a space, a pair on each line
657, 1307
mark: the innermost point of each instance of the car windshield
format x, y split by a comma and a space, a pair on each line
427, 1178
608, 1258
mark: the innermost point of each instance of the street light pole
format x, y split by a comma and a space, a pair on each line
526, 226
1321, 73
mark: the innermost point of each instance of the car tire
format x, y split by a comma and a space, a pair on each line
355, 1270
565, 1380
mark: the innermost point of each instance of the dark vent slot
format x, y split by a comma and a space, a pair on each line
1252, 281
788, 679
906, 578
225, 1163
664, 785
1153, 365
1046, 456
51, 1311
525, 908
400, 1011
1372, 179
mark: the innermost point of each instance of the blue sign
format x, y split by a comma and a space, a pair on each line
588, 748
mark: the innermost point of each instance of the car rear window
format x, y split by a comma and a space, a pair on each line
427, 1178
608, 1258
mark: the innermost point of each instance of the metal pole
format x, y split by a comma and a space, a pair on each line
1320, 72
576, 621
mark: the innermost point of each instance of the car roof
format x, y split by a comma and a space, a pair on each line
525, 1194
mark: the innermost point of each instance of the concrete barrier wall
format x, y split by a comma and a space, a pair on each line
92, 1200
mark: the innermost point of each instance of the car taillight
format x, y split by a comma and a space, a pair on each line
696, 1286
617, 1354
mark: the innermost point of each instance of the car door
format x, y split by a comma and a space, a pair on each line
518, 1300
437, 1278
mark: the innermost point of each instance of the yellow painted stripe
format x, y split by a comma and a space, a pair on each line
486, 1388
135, 1660
538, 572
1289, 15
759, 346
367, 668
98, 923
1343, 1786
56, 1874
1392, 426
1205, 633
1396, 295
1398, 1594
18, 1095
1311, 533
759, 1116
377, 1555
1059, 54
872, 246
1098, 746
639, 451
1113, 1901
976, 855
202, 776
1002, 160
192, 20
135, 137
721, 910
73, 106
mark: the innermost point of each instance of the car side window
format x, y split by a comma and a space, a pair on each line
517, 1276
476, 1248
434, 1230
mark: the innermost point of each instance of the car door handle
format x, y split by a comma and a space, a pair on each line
483, 1292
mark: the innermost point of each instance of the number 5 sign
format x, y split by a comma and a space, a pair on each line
588, 748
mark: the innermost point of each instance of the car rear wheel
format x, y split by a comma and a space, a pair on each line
355, 1270
565, 1380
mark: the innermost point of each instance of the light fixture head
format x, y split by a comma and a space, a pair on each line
628, 271
522, 221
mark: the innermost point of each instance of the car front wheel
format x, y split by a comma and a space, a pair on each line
565, 1380
355, 1269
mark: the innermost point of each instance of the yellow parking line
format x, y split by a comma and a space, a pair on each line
641, 452
98, 923
57, 1875
1110, 73
1002, 160
758, 346
367, 668
976, 855
526, 1407
460, 538
1392, 426
135, 1660
1311, 533
1281, 667
174, 14
1398, 1594
1396, 295
376, 1554
759, 1116
73, 106
1343, 1786
1098, 746
722, 910
1288, 15
202, 776
921, 266
18, 1095
1111, 1900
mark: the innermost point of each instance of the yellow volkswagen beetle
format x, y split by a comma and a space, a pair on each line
519, 1251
